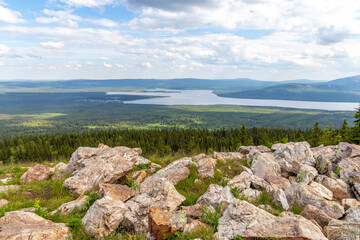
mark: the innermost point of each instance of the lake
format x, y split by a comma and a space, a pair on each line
207, 97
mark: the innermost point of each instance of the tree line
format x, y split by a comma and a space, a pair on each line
170, 141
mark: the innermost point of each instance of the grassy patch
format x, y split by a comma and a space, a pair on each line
296, 208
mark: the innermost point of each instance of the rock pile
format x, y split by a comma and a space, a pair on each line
323, 181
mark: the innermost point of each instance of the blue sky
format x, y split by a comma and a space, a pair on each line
101, 39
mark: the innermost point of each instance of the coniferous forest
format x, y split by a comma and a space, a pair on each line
171, 141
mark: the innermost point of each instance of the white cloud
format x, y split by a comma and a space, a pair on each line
1, 64
89, 63
52, 45
147, 65
66, 18
107, 65
52, 68
88, 3
4, 49
119, 65
104, 58
10, 16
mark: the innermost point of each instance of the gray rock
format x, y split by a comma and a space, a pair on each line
69, 207
342, 230
307, 174
245, 220
353, 214
263, 164
215, 195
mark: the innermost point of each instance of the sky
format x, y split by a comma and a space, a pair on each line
213, 39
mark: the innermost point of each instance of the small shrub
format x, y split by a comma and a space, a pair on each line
211, 217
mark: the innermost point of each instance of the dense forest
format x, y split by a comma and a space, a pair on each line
170, 141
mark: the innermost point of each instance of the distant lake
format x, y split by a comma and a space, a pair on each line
207, 97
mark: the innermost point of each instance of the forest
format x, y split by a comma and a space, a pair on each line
174, 141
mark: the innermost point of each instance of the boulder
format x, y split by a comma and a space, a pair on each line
306, 194
347, 169
193, 211
25, 225
306, 174
241, 182
69, 207
142, 161
245, 220
322, 158
350, 203
137, 177
277, 182
355, 188
116, 191
291, 156
194, 225
103, 217
7, 188
60, 167
342, 230
338, 187
92, 166
3, 203
353, 214
206, 167
154, 167
162, 196
320, 190
260, 184
224, 156
174, 172
263, 164
251, 194
280, 198
246, 149
37, 173
216, 195
165, 223
311, 212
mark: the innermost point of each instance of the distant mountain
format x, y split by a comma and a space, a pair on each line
339, 90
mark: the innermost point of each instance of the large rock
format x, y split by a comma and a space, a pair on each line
320, 190
263, 164
162, 196
224, 156
69, 207
174, 172
193, 211
311, 212
353, 214
241, 181
306, 194
206, 167
291, 156
20, 225
348, 169
216, 195
342, 230
306, 174
103, 217
116, 191
322, 157
350, 203
279, 197
338, 187
246, 149
277, 182
245, 220
37, 173
92, 166
165, 223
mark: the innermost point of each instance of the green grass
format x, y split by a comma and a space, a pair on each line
296, 208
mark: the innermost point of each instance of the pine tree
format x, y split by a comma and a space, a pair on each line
355, 136
316, 135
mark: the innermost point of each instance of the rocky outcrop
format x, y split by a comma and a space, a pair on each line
310, 212
174, 172
25, 225
263, 164
165, 223
206, 167
92, 166
338, 187
193, 211
116, 191
291, 156
162, 196
246, 149
353, 214
216, 195
68, 208
103, 217
225, 156
342, 230
245, 220
37, 173
350, 203
306, 174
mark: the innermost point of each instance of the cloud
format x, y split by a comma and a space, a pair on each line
4, 49
52, 45
177, 5
1, 64
104, 58
107, 65
147, 65
52, 68
66, 18
87, 3
89, 63
10, 16
119, 65
330, 35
